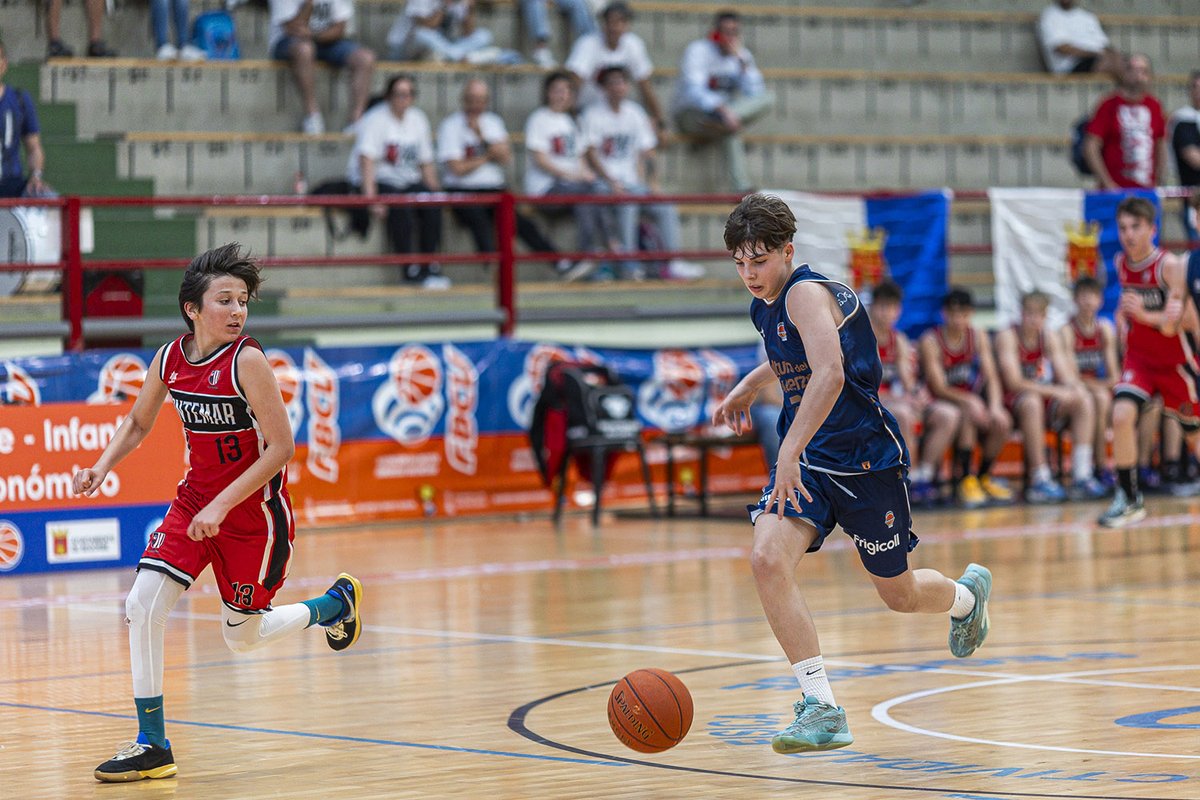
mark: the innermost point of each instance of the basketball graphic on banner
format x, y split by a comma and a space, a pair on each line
12, 546
121, 378
18, 388
673, 397
524, 391
291, 386
409, 403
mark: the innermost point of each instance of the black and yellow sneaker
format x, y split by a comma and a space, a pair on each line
343, 631
137, 761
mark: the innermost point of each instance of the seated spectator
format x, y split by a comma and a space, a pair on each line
21, 124
615, 46
720, 91
1184, 133
182, 49
958, 367
901, 393
1094, 342
393, 154
440, 30
1042, 393
556, 165
304, 32
94, 11
620, 142
1129, 115
537, 22
1073, 41
473, 151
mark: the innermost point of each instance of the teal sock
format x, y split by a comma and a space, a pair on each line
151, 722
324, 609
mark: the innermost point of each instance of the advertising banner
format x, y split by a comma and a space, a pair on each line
416, 430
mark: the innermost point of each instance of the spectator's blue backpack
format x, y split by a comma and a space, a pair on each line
1078, 134
214, 33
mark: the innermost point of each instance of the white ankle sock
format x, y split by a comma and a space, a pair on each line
964, 602
1081, 462
1042, 474
813, 680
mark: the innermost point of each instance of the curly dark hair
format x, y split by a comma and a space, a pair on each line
760, 219
224, 260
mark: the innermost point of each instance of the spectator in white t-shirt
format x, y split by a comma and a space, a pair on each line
393, 154
304, 32
555, 164
1073, 41
614, 46
621, 144
720, 91
441, 30
473, 151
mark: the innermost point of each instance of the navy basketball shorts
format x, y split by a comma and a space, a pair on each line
872, 509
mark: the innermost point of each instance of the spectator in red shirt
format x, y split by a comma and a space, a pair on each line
1126, 144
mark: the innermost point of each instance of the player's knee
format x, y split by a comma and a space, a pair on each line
944, 415
302, 50
767, 559
240, 631
137, 610
898, 596
1124, 413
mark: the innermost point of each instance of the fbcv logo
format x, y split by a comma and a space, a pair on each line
121, 378
409, 402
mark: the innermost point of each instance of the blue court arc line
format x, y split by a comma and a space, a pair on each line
328, 736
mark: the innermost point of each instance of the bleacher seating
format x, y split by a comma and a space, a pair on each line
871, 93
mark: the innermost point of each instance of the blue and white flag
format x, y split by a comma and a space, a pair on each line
860, 240
1045, 239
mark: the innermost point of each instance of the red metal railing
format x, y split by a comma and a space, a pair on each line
73, 265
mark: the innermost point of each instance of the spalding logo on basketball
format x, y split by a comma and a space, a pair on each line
291, 386
12, 546
409, 403
18, 389
673, 397
121, 378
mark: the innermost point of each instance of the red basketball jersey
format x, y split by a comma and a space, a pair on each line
1145, 343
1089, 351
223, 438
961, 366
888, 355
1033, 359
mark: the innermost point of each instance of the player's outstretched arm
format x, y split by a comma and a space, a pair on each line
131, 433
734, 410
262, 392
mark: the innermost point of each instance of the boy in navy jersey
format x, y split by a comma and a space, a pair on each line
841, 461
232, 508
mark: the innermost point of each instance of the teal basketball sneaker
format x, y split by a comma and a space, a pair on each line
967, 634
818, 726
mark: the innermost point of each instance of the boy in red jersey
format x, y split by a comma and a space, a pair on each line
1158, 358
958, 366
1042, 392
1094, 343
902, 394
232, 508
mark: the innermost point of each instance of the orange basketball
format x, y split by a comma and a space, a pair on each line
650, 710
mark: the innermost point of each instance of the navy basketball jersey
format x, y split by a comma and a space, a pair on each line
859, 435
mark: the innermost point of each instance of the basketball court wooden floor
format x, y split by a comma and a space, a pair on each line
492, 645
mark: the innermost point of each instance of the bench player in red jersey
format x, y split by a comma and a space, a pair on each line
901, 393
231, 509
1043, 392
1158, 358
1093, 341
958, 367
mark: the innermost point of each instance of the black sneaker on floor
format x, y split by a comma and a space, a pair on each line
56, 49
98, 49
343, 632
137, 761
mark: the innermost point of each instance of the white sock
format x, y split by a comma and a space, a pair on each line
1041, 474
1081, 462
922, 473
964, 602
813, 680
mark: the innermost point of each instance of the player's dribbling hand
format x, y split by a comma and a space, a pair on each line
205, 524
87, 481
788, 484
